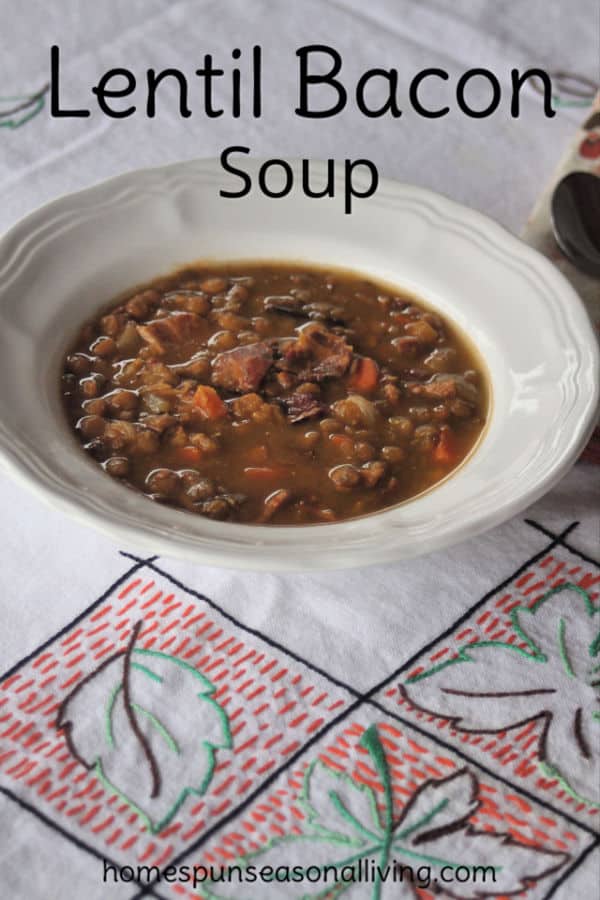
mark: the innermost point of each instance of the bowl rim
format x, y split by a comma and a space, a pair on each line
261, 556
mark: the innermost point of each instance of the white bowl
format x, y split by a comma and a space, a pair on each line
62, 262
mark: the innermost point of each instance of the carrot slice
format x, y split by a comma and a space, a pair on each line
265, 473
401, 318
189, 456
365, 375
445, 452
257, 455
209, 403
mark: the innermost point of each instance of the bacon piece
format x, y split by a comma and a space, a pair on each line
444, 387
243, 368
285, 303
171, 329
434, 390
317, 354
302, 309
302, 406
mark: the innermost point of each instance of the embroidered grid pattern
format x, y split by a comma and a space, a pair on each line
277, 706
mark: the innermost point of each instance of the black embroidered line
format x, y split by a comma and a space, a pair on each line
346, 713
560, 539
318, 735
579, 735
66, 834
133, 722
497, 694
570, 869
360, 701
140, 563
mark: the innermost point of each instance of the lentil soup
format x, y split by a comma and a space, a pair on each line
274, 393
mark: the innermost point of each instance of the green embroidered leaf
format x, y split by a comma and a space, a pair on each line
560, 624
432, 832
15, 111
147, 724
485, 689
493, 686
339, 806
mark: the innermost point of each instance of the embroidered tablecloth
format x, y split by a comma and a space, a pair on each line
437, 715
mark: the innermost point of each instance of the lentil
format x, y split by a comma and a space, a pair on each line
264, 394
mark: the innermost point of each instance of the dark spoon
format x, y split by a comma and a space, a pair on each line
576, 219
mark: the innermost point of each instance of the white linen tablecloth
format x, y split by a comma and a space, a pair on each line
324, 724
